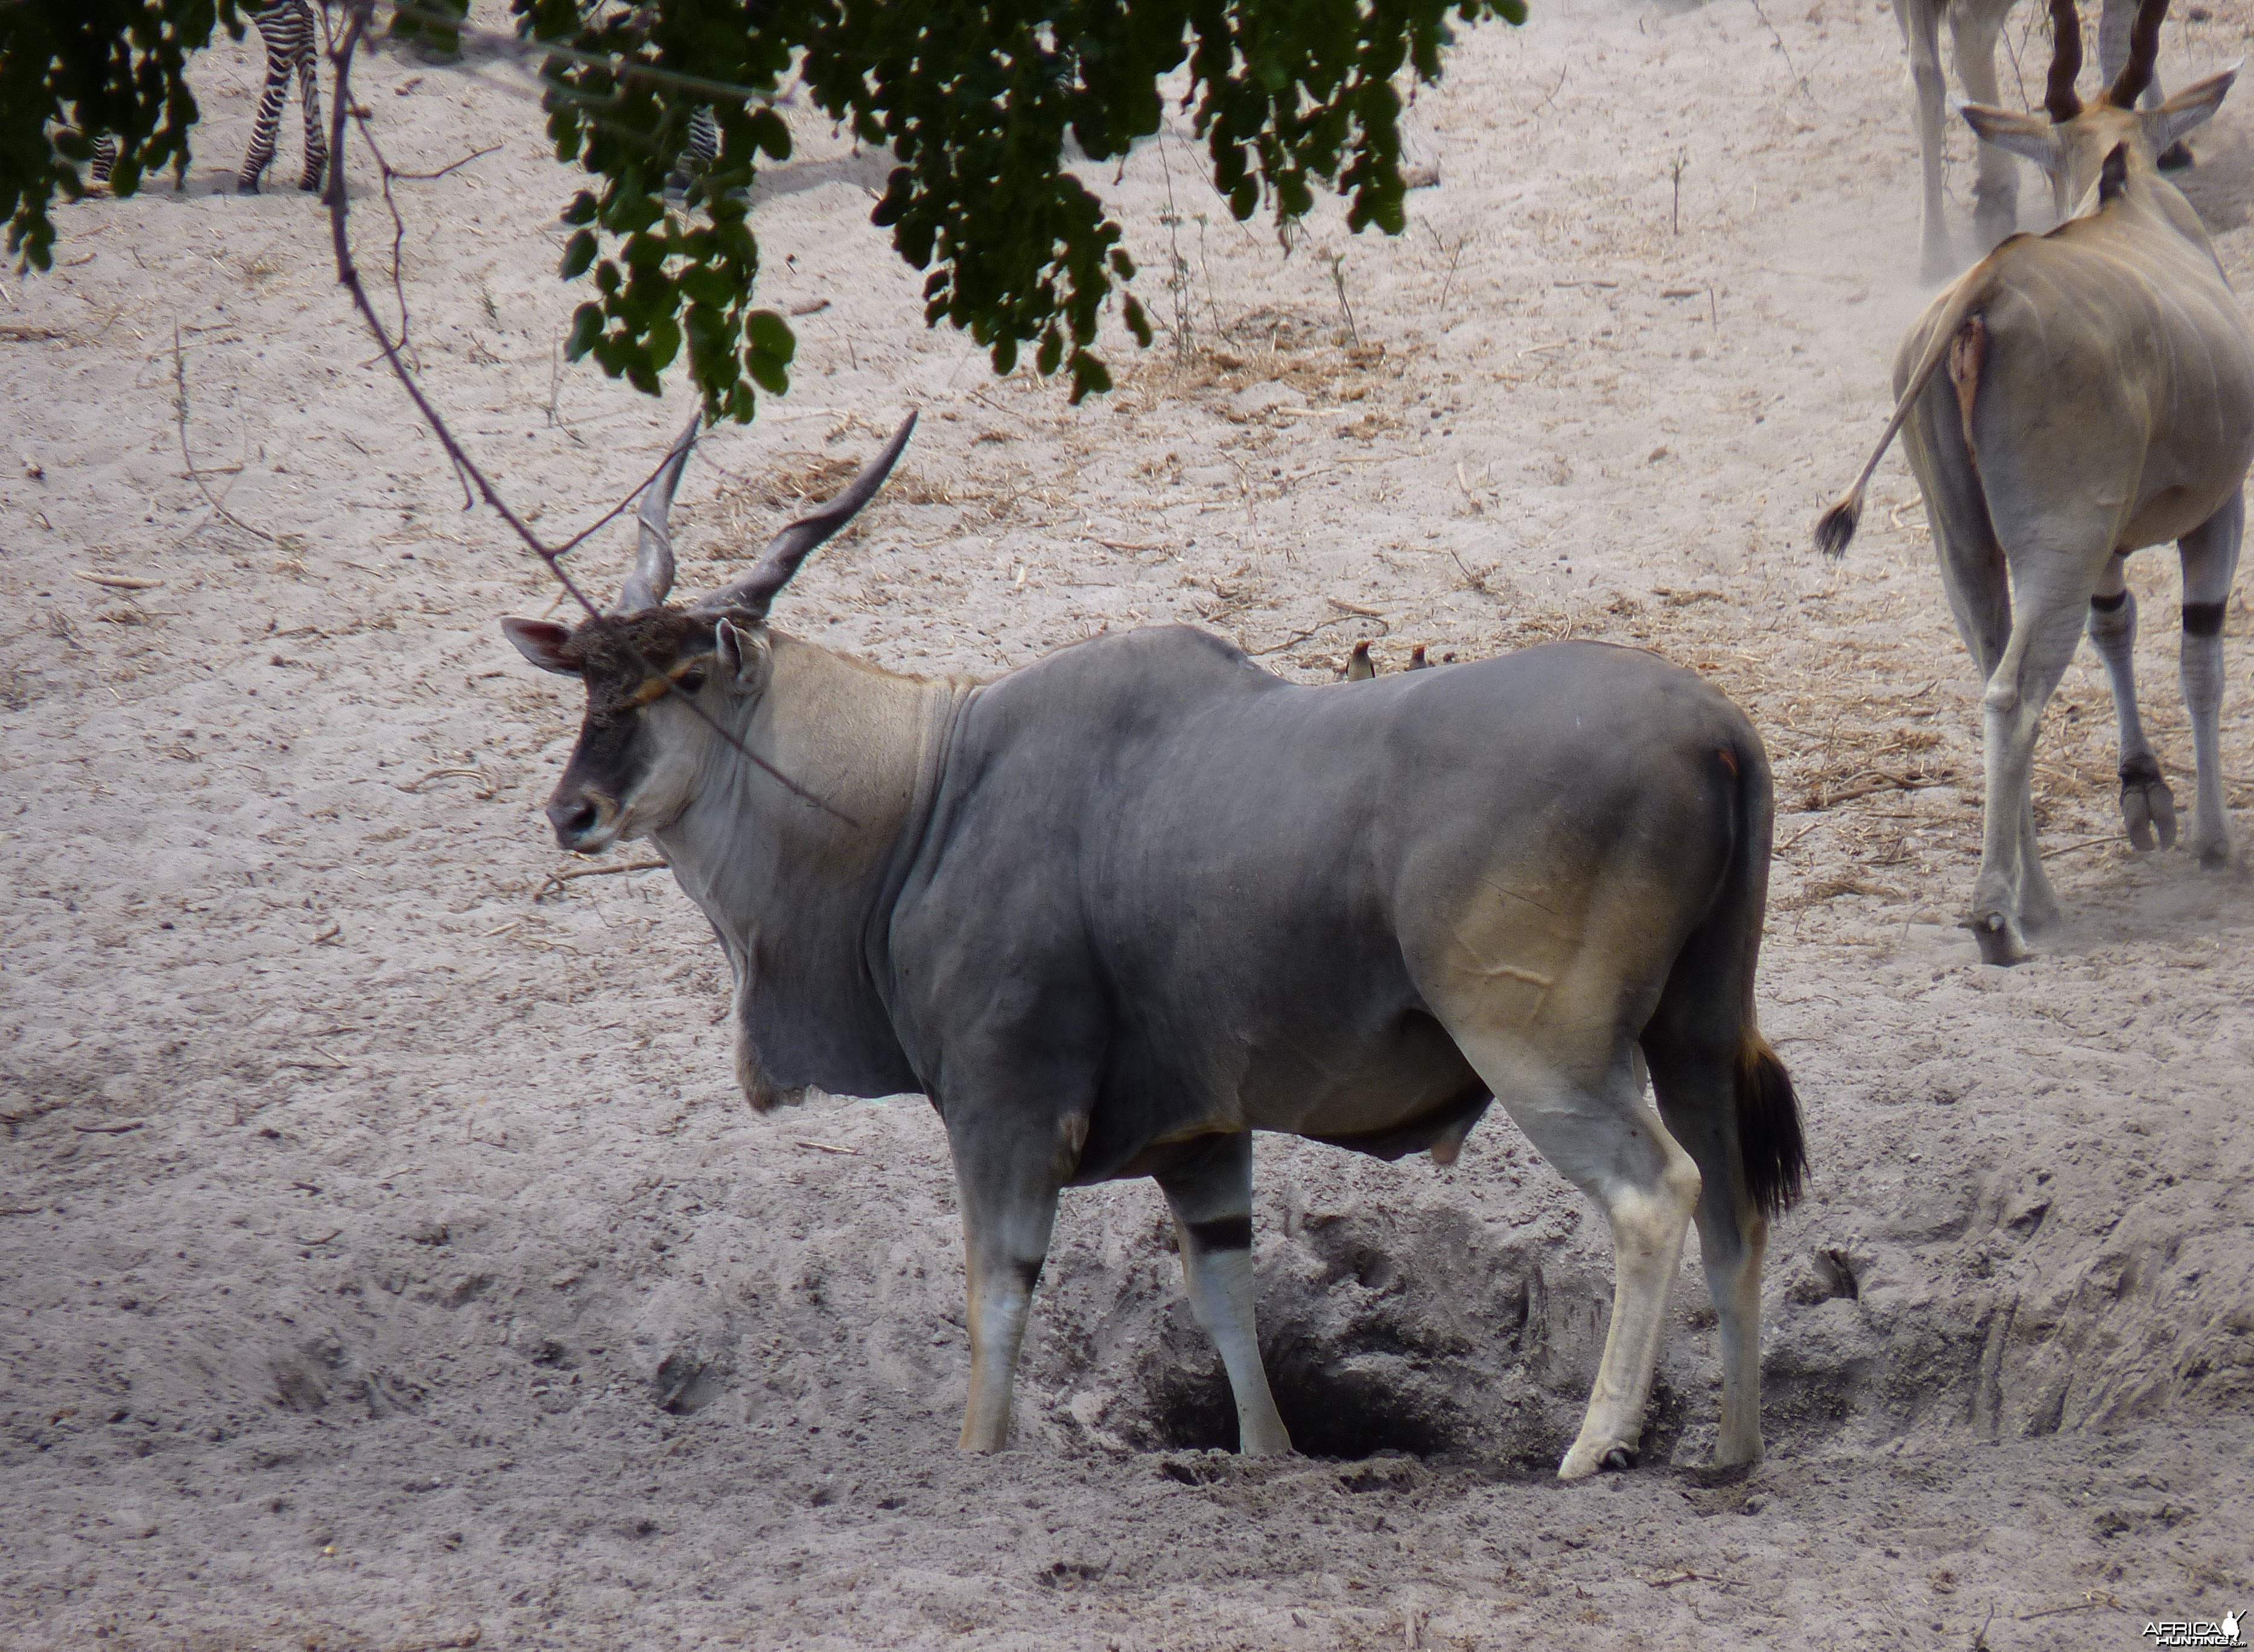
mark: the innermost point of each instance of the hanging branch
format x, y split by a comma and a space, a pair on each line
348, 277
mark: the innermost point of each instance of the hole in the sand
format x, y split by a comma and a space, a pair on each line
685, 1384
1337, 1402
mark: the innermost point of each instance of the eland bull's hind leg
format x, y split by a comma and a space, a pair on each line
1211, 1195
1007, 1169
1606, 1139
2148, 808
2210, 562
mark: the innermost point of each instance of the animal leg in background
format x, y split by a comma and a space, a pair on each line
1972, 30
1211, 1196
286, 27
2210, 562
1007, 1171
2148, 808
316, 142
1921, 30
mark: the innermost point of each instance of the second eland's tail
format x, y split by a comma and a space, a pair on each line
1835, 529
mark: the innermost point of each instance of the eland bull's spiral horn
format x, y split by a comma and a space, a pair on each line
2144, 49
749, 596
2065, 63
653, 570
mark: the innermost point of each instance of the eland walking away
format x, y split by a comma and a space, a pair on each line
1116, 910
2099, 397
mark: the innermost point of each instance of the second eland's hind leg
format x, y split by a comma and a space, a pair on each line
1211, 1195
2210, 562
2148, 808
2047, 626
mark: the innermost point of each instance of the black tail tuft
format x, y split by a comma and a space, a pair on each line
1835, 527
1768, 1128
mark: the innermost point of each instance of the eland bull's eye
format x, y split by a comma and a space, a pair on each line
689, 682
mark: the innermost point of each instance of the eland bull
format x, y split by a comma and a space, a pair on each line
1115, 910
2074, 397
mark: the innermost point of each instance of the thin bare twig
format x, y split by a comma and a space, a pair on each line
451, 166
180, 417
554, 882
348, 277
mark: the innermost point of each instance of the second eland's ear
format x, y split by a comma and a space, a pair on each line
2191, 107
2026, 136
744, 653
541, 642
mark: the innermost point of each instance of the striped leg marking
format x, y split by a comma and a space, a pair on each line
1211, 1197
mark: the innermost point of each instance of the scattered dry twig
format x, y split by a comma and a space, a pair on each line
116, 581
554, 882
180, 417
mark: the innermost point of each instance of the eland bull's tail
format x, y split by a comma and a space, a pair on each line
1769, 1141
1770, 1146
1835, 529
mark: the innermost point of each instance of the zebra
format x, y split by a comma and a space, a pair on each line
287, 28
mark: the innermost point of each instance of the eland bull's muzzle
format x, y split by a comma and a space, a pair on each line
587, 821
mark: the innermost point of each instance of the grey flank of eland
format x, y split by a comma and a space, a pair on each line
2097, 397
1116, 910
1973, 26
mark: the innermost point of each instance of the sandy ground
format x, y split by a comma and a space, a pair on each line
386, 1261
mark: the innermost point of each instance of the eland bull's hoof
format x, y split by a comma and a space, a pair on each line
2215, 857
1588, 1458
2148, 809
2000, 939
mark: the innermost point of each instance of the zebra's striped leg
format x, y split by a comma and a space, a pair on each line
317, 142
286, 27
105, 158
260, 153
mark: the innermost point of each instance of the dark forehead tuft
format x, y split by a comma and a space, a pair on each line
615, 654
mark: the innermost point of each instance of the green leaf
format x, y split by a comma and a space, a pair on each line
578, 253
769, 374
771, 337
587, 327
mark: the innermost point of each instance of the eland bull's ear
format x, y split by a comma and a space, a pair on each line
744, 653
541, 642
2027, 136
2191, 107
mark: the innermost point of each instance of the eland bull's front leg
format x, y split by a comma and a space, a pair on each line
1009, 1166
1211, 1194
